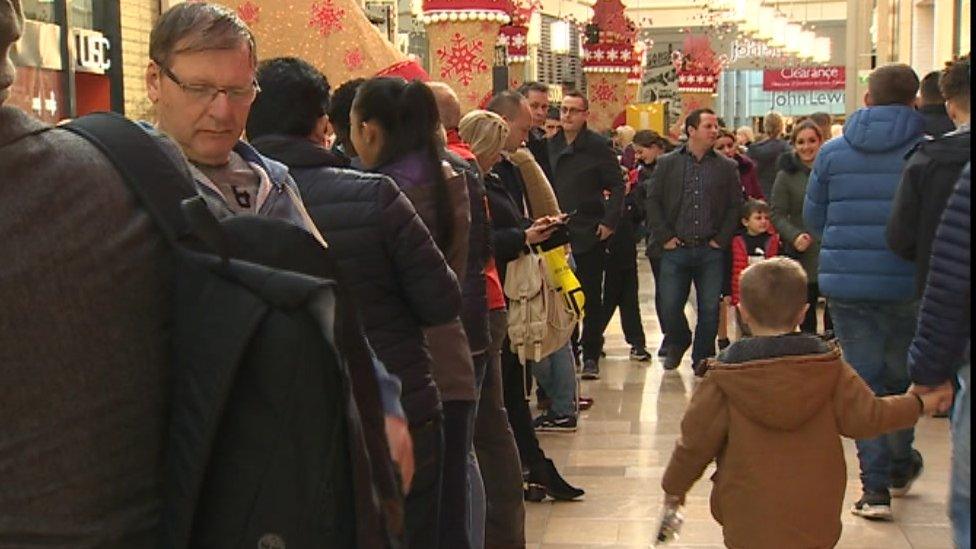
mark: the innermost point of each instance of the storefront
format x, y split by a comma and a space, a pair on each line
68, 63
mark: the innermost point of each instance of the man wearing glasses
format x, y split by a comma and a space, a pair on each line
582, 168
201, 80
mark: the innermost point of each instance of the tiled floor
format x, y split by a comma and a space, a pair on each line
624, 441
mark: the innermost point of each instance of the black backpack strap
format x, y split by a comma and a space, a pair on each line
150, 173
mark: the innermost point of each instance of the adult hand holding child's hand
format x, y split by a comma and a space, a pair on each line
935, 399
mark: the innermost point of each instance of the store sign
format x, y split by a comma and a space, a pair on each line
91, 51
804, 78
39, 91
746, 49
816, 100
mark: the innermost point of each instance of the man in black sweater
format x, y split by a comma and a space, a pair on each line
932, 106
929, 176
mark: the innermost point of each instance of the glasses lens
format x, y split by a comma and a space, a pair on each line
200, 93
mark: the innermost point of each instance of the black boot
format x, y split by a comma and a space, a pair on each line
544, 478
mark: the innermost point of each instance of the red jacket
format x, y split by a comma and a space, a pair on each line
749, 176
457, 146
740, 259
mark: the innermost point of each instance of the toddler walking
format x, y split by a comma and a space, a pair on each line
770, 411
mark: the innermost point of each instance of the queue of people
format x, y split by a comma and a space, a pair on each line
411, 214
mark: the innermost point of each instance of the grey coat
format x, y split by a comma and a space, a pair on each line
789, 189
85, 285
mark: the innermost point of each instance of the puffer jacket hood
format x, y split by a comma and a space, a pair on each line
883, 128
849, 200
774, 389
789, 163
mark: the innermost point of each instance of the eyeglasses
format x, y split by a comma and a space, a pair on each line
571, 110
205, 93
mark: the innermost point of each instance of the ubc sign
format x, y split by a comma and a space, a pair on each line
91, 51
804, 79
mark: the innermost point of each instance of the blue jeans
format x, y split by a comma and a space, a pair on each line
679, 268
959, 497
556, 375
476, 486
874, 337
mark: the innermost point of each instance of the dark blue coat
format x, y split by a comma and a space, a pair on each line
849, 199
398, 276
944, 319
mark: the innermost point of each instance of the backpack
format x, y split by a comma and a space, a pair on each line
541, 317
266, 446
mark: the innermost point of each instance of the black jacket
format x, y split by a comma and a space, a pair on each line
937, 121
666, 190
507, 225
580, 173
622, 245
511, 178
932, 171
766, 153
399, 277
652, 245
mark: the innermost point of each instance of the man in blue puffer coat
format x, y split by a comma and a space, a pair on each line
870, 289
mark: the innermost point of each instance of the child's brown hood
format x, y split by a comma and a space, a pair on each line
783, 392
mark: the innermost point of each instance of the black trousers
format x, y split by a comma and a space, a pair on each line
458, 423
423, 502
810, 320
590, 267
620, 288
519, 416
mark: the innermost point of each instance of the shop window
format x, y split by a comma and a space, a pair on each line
39, 10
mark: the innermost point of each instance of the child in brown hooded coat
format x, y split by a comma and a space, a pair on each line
770, 411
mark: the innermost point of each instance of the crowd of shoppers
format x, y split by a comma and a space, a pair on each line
422, 208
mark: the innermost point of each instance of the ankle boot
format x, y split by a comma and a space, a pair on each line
544, 476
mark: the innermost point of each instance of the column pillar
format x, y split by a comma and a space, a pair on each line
859, 55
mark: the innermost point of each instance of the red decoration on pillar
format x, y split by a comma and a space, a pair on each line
353, 59
326, 17
249, 12
604, 93
462, 58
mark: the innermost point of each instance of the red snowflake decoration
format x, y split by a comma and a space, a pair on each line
462, 59
604, 93
326, 17
353, 59
249, 12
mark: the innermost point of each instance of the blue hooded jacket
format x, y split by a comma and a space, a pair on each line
848, 202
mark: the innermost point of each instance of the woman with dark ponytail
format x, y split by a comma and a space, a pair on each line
395, 130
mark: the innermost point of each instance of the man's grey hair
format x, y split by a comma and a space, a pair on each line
506, 103
198, 26
448, 104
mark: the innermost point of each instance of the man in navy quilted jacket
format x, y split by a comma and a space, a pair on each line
940, 350
870, 289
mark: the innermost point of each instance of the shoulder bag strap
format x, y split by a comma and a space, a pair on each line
152, 175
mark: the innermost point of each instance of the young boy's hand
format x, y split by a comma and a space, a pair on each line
937, 399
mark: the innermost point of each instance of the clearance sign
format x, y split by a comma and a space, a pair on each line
803, 79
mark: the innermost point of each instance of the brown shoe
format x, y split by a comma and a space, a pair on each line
585, 403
